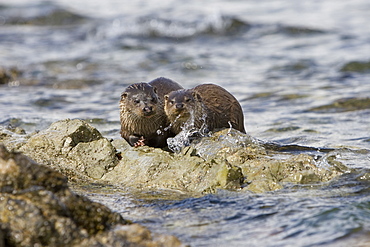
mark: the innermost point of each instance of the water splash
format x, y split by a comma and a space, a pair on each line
228, 139
187, 134
326, 161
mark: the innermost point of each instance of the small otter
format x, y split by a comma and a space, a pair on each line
207, 106
142, 115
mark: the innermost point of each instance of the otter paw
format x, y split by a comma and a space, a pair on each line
140, 142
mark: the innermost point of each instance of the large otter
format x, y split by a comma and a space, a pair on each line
205, 107
143, 119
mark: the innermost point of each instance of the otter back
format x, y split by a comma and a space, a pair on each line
222, 107
205, 106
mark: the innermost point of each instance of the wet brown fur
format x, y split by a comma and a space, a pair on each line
207, 104
142, 114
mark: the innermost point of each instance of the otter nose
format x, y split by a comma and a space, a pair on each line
179, 105
147, 108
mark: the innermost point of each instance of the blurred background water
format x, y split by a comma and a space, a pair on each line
300, 69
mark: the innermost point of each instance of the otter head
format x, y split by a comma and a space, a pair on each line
179, 105
140, 99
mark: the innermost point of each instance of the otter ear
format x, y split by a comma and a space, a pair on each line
197, 97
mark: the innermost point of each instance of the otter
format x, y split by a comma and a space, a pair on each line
142, 115
207, 107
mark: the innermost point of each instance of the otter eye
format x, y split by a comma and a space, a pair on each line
172, 102
187, 99
136, 101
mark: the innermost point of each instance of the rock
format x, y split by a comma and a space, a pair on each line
153, 168
93, 158
2, 244
356, 66
261, 170
9, 76
4, 76
73, 147
13, 138
78, 150
38, 209
228, 159
344, 105
299, 31
46, 15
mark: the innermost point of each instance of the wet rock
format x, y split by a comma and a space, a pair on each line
73, 84
356, 66
298, 31
58, 17
284, 129
4, 76
262, 169
38, 208
80, 152
344, 105
228, 159
41, 15
12, 137
226, 25
9, 76
266, 174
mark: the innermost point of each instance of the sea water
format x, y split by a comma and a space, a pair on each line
283, 60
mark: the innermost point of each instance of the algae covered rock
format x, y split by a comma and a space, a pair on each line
227, 159
73, 147
79, 151
152, 168
263, 169
38, 208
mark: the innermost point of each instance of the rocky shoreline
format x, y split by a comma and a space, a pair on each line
37, 202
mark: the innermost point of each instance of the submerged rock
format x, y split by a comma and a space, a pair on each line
41, 15
356, 66
38, 208
344, 105
298, 30
9, 76
228, 159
